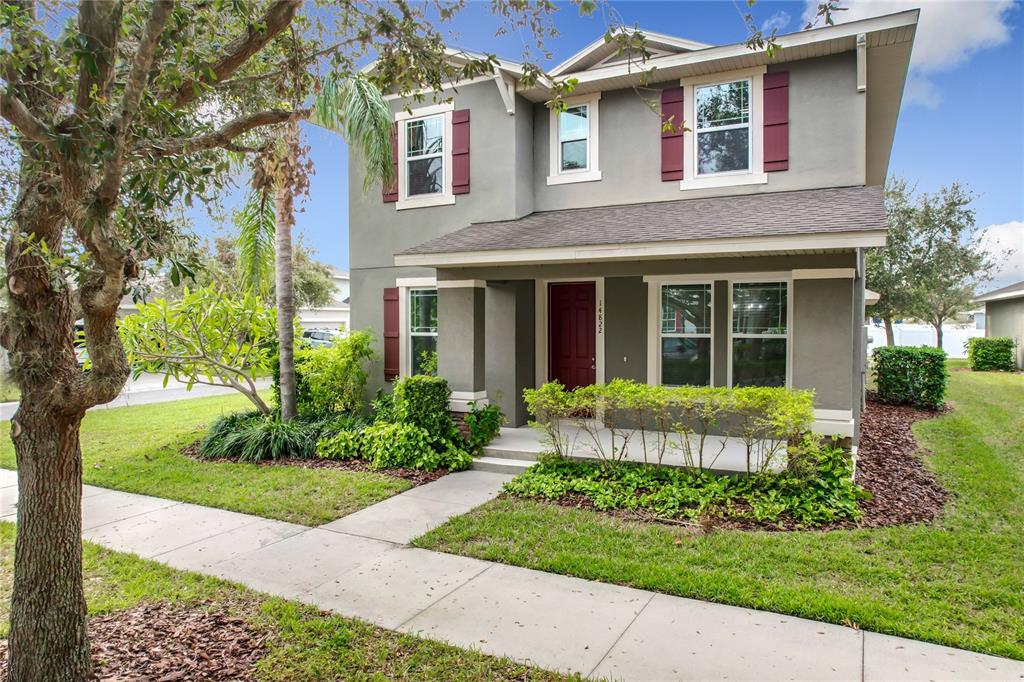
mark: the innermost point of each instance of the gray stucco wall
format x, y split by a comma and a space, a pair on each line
823, 340
826, 142
626, 329
510, 330
1006, 318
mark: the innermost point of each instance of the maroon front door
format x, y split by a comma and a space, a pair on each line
572, 333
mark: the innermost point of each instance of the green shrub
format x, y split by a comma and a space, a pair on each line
820, 492
253, 437
910, 375
331, 379
387, 445
484, 422
991, 353
342, 445
382, 407
423, 401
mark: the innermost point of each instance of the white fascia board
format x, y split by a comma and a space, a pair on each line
814, 35
998, 297
650, 250
652, 36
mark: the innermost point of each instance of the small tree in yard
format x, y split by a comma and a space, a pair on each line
887, 267
205, 337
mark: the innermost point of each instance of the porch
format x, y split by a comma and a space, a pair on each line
517, 448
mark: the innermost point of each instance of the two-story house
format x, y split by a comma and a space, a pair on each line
524, 244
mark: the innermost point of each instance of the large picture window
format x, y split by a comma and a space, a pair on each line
723, 127
422, 326
760, 333
574, 138
686, 311
424, 156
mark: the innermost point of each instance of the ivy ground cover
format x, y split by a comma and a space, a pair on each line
956, 580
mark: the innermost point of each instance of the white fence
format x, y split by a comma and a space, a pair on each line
953, 337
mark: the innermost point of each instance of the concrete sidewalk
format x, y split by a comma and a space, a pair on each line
358, 566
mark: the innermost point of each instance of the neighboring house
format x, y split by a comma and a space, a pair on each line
336, 314
592, 245
1004, 315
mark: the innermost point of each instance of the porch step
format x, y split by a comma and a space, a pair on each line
500, 465
499, 452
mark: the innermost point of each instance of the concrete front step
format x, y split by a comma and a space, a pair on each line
510, 453
501, 465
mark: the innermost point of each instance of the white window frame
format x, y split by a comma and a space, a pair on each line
754, 175
556, 176
788, 336
445, 197
661, 334
405, 286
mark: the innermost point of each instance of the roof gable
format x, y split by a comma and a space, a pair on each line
602, 53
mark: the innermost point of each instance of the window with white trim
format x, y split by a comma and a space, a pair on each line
422, 327
723, 128
686, 328
760, 334
424, 156
573, 141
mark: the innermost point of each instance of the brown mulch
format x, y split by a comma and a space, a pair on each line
889, 467
162, 642
414, 476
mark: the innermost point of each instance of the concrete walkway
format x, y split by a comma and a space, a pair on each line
358, 566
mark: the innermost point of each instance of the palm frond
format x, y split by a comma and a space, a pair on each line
356, 108
255, 243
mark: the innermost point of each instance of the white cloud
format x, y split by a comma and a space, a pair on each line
776, 22
949, 32
997, 239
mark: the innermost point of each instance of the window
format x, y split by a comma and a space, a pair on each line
424, 156
759, 334
573, 138
686, 314
723, 128
573, 141
422, 326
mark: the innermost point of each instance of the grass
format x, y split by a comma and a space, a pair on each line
303, 643
137, 449
957, 582
9, 392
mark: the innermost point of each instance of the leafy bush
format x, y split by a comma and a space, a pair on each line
254, 437
382, 407
423, 401
387, 445
331, 379
342, 445
911, 375
822, 491
766, 419
484, 422
990, 353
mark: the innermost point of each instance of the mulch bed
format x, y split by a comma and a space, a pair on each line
889, 467
162, 642
414, 476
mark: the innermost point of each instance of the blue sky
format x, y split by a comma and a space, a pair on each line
962, 117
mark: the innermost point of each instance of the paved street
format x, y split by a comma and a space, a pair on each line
359, 566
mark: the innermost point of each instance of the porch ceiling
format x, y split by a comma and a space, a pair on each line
818, 220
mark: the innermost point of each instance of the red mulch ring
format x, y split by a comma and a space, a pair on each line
162, 642
414, 476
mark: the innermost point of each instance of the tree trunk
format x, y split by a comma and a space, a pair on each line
285, 216
48, 639
938, 335
890, 335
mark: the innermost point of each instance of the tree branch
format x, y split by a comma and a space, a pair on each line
100, 24
18, 115
277, 18
221, 137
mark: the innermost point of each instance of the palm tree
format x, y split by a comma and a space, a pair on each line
354, 107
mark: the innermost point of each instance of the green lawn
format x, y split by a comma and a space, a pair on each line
958, 582
137, 449
303, 644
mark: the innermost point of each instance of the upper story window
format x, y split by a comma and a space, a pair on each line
574, 141
723, 127
725, 143
424, 155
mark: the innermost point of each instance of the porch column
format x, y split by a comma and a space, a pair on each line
460, 340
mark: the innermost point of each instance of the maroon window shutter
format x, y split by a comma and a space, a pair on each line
672, 141
391, 190
460, 151
391, 332
776, 121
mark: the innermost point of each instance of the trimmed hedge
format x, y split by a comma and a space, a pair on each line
423, 401
991, 353
911, 375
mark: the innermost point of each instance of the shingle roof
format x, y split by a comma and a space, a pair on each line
819, 211
1011, 291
